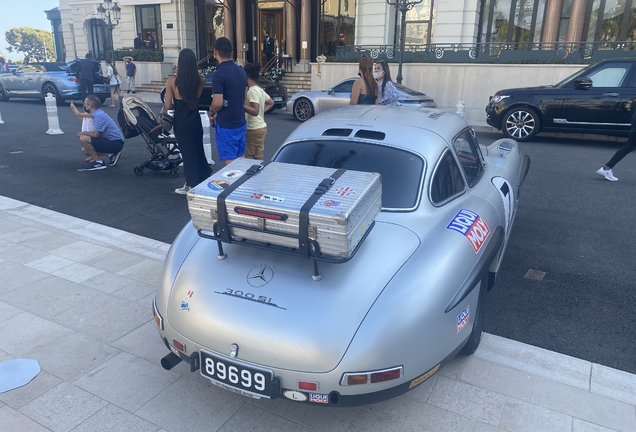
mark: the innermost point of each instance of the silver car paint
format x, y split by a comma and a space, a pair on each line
406, 324
325, 100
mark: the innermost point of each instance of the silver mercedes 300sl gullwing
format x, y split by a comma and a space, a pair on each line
257, 296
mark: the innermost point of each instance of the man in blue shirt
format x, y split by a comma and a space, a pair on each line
105, 140
229, 88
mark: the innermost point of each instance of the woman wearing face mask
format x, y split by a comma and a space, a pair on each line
365, 90
388, 93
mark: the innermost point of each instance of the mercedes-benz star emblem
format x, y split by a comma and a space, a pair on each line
260, 275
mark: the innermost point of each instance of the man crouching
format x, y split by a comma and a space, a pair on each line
105, 140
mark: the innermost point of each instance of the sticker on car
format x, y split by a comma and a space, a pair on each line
472, 226
462, 318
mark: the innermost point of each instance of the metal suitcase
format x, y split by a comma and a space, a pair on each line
338, 220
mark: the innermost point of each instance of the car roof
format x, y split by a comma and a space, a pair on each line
49, 66
423, 130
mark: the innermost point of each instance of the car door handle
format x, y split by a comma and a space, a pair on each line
610, 94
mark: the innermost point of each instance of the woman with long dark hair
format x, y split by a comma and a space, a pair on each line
182, 93
365, 90
388, 93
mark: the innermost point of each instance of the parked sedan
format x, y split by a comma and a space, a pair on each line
595, 100
35, 80
305, 105
276, 91
380, 321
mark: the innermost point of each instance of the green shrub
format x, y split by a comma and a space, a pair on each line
138, 55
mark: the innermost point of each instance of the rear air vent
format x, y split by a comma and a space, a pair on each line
367, 134
337, 132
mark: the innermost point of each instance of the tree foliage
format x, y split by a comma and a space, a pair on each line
35, 44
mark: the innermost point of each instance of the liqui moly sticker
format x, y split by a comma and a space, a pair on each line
462, 319
265, 197
318, 398
472, 226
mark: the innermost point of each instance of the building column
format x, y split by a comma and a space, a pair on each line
551, 25
240, 31
291, 33
577, 19
305, 30
228, 21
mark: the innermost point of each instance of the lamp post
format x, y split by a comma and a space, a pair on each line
109, 12
403, 6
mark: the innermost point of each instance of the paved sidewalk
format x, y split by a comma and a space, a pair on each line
76, 296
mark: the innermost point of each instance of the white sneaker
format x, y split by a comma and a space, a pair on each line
608, 174
182, 190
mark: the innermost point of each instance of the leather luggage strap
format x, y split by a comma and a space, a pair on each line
303, 223
221, 207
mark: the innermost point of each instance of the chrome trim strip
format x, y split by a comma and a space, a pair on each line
564, 121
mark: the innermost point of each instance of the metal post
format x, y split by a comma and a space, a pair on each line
403, 9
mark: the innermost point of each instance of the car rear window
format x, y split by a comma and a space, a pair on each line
401, 170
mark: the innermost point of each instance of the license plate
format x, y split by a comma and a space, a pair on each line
243, 377
277, 99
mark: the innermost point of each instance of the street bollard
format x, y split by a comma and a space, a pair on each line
460, 108
207, 143
51, 114
1, 121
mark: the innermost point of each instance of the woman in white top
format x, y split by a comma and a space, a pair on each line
256, 105
115, 83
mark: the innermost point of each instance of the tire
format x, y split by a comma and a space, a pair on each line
521, 124
475, 335
303, 109
49, 87
138, 172
3, 95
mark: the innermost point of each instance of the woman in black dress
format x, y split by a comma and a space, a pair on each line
182, 93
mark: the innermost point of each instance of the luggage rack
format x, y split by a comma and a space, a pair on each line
307, 246
314, 250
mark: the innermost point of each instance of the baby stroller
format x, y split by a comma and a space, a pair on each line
136, 118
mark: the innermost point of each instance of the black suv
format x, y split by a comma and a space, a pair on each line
596, 99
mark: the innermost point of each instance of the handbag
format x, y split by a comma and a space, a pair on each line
166, 119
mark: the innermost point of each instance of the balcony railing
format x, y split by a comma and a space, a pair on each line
494, 52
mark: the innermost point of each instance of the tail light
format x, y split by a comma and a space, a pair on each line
75, 80
372, 376
155, 314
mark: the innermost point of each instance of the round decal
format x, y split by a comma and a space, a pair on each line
232, 173
218, 184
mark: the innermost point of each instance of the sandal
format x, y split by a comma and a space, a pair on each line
111, 106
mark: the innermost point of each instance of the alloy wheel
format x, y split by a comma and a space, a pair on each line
303, 110
521, 124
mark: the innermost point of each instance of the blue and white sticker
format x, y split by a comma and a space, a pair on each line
185, 303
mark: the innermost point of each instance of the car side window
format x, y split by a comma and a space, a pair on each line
446, 181
610, 76
27, 68
345, 87
469, 156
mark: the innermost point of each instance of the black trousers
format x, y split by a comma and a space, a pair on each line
86, 87
624, 151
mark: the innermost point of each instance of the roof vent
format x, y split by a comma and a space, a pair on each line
368, 134
337, 132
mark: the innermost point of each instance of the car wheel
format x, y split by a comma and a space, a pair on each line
3, 95
303, 109
521, 124
475, 336
49, 87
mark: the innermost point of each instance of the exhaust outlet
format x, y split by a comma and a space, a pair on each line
170, 361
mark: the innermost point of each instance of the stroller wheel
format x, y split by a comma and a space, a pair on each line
138, 171
174, 173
